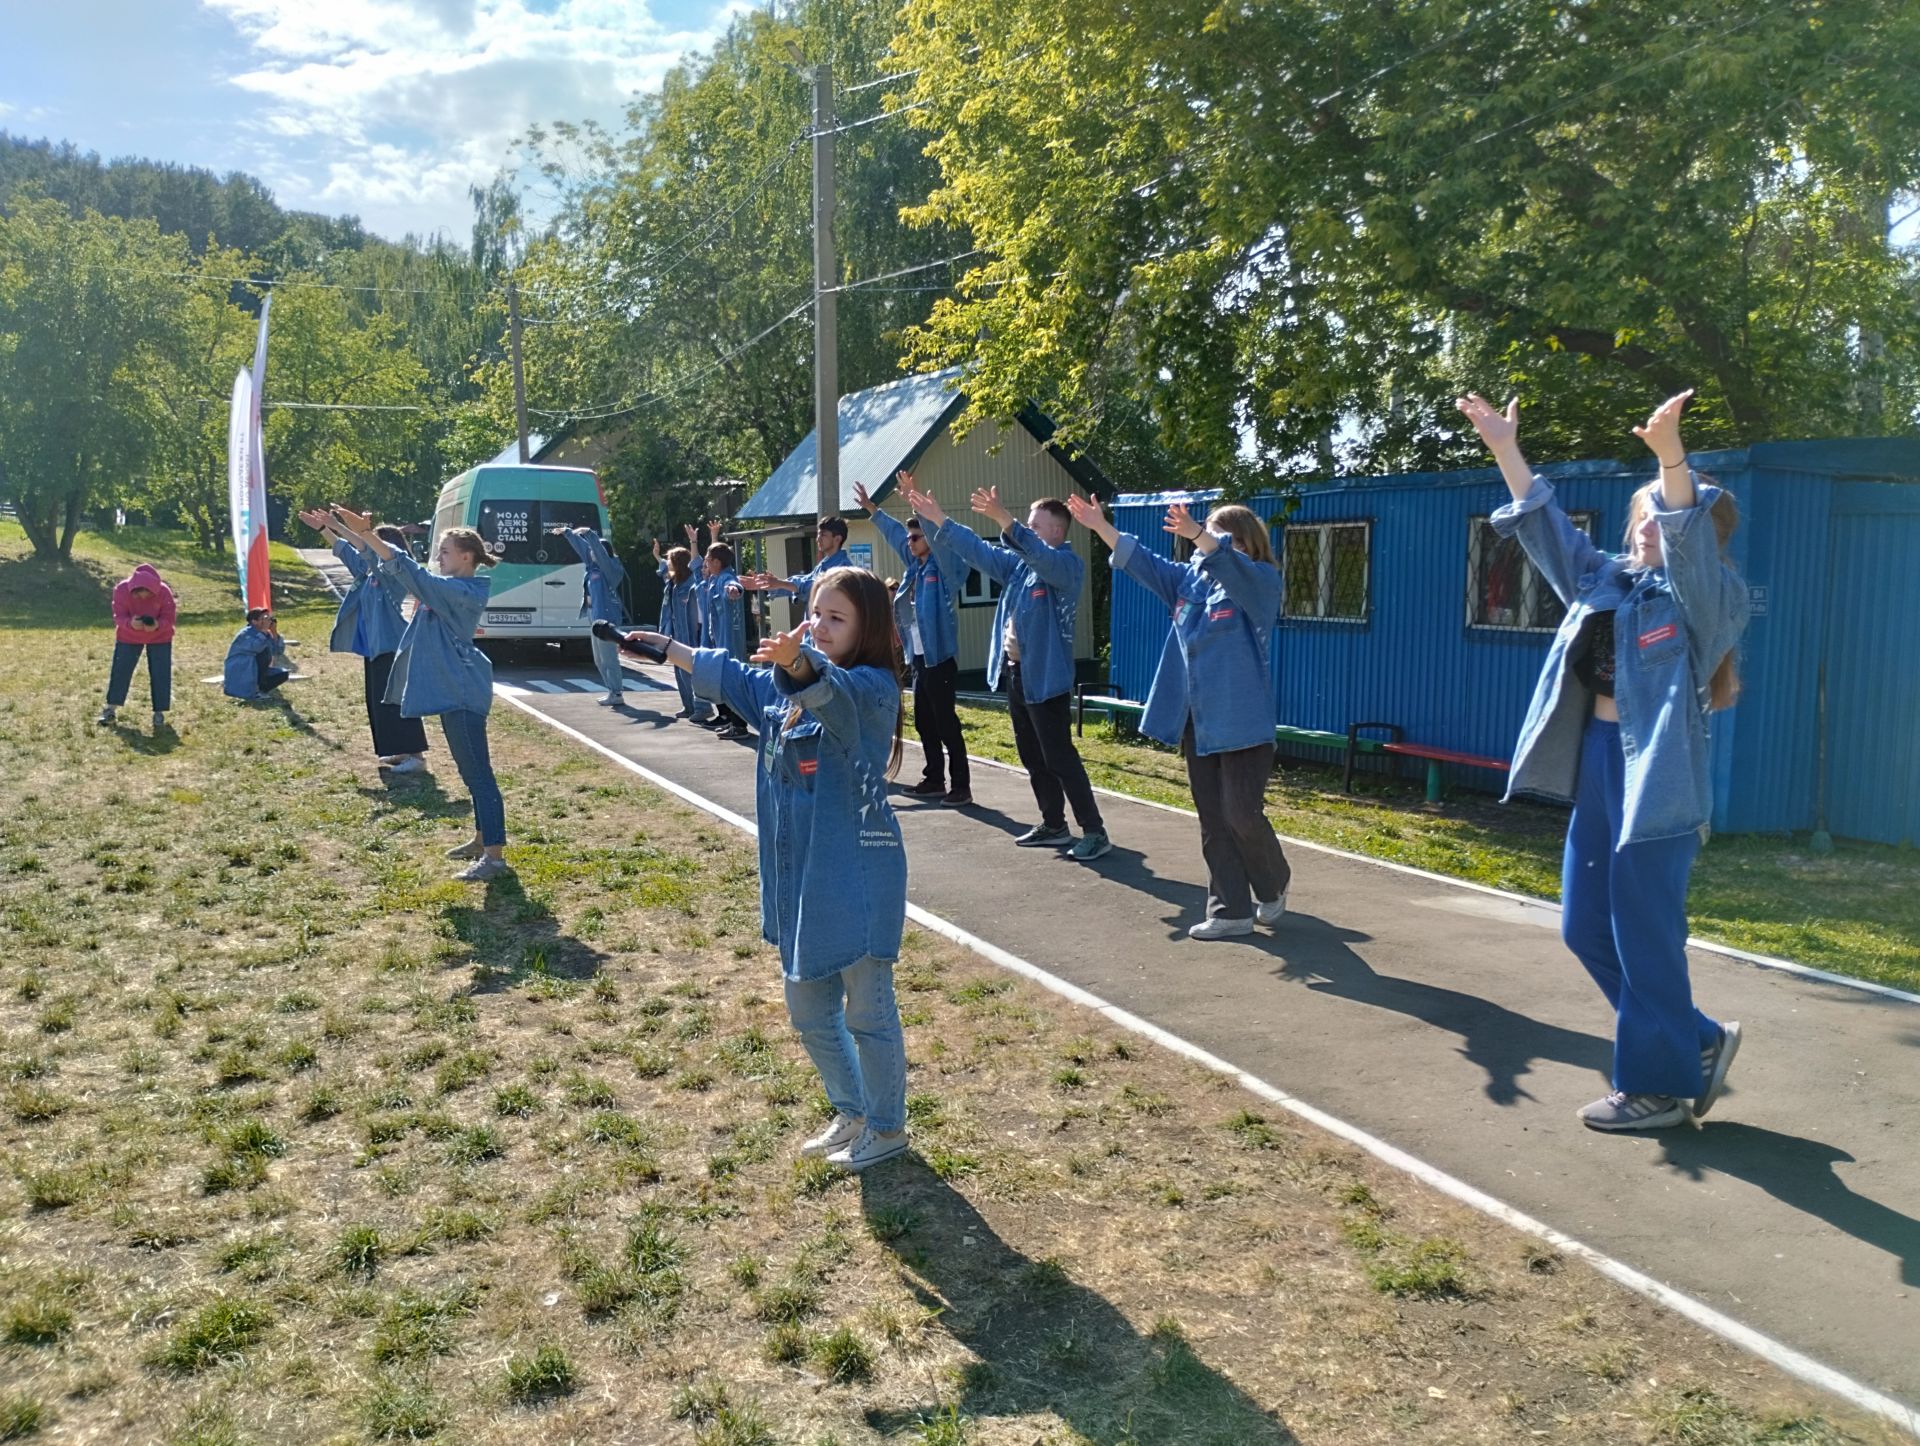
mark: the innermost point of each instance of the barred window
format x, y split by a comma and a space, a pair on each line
1325, 571
1504, 589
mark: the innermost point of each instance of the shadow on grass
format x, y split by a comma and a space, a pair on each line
53, 594
513, 938
1799, 1173
419, 793
153, 745
1045, 1343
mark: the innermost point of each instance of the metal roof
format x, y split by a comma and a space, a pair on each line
882, 430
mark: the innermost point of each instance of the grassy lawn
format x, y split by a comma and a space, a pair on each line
301, 1141
1855, 911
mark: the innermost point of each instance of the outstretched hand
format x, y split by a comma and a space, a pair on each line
1180, 522
1496, 429
986, 501
863, 497
693, 536
1662, 431
656, 549
782, 650
318, 518
354, 521
920, 501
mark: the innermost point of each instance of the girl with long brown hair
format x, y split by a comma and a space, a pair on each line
833, 872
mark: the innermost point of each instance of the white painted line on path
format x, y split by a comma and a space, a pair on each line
1795, 1363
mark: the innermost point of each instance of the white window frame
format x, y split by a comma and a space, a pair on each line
1323, 591
979, 590
1585, 519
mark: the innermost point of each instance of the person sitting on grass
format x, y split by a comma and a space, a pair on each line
437, 669
1031, 652
833, 871
250, 671
1212, 697
143, 612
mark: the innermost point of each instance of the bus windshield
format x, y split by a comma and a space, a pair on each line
517, 529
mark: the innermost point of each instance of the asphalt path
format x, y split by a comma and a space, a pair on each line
1452, 1023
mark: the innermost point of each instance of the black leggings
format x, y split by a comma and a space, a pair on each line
393, 735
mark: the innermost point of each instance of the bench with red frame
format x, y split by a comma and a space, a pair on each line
1434, 756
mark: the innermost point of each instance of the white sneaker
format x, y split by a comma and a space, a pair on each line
409, 765
482, 868
613, 700
844, 1130
106, 714
870, 1149
472, 849
1270, 913
1220, 928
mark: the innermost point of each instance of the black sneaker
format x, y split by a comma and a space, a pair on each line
959, 798
731, 732
1042, 837
928, 788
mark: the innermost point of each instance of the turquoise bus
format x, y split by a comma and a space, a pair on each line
537, 586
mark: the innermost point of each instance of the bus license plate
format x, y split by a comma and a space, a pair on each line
506, 617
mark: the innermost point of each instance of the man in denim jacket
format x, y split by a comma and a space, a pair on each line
1032, 649
1618, 728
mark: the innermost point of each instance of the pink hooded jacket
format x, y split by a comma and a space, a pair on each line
126, 607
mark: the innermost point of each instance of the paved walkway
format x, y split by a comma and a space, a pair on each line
1453, 1024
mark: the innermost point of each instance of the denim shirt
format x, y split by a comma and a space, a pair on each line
833, 869
1215, 665
722, 618
240, 677
369, 622
928, 596
601, 595
1672, 625
1040, 592
680, 607
437, 669
803, 581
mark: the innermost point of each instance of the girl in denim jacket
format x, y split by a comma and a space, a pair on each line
833, 873
1618, 727
1212, 697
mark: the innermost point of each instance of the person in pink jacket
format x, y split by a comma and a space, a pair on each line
143, 611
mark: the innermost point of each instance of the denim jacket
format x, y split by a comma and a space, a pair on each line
1672, 625
680, 607
722, 618
928, 595
1040, 591
240, 677
803, 581
369, 622
833, 870
600, 598
437, 668
1215, 665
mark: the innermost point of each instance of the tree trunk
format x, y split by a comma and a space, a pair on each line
39, 527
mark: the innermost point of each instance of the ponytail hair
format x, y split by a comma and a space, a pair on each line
473, 544
1723, 687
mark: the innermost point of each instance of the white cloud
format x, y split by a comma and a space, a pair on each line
392, 108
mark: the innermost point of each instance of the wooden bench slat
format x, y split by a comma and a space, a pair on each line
1444, 755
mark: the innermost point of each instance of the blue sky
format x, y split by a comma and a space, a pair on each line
388, 109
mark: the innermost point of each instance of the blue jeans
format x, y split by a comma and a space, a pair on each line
850, 1026
693, 707
1624, 915
606, 661
467, 742
126, 657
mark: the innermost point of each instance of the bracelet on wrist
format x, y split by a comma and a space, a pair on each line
1666, 466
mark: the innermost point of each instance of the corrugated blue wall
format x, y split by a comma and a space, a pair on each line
1417, 663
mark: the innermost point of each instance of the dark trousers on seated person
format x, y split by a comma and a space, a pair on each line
393, 735
1243, 854
937, 721
1043, 735
269, 677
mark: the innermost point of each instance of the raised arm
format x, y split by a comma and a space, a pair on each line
1662, 436
1501, 432
894, 531
1059, 567
1565, 555
841, 698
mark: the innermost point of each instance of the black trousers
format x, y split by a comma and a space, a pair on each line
937, 721
1244, 858
1043, 734
392, 734
268, 676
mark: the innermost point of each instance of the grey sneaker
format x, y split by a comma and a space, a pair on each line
1220, 927
1622, 1111
1042, 837
1271, 912
159, 721
1714, 1064
870, 1149
844, 1130
1091, 845
471, 849
483, 868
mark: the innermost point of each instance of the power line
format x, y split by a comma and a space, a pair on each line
883, 80
904, 271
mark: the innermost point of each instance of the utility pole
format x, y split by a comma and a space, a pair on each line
519, 377
826, 355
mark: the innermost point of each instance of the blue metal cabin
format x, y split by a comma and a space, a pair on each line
1829, 545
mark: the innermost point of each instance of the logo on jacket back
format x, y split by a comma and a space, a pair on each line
1657, 635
